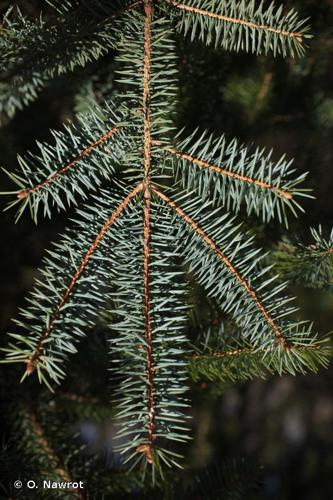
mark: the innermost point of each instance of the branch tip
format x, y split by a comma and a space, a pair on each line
30, 367
147, 450
23, 194
285, 194
286, 345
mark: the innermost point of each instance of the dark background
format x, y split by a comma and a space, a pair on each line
285, 424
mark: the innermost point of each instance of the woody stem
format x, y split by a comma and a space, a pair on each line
148, 8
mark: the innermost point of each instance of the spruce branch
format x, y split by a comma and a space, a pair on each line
239, 25
132, 347
42, 185
243, 287
234, 176
39, 350
233, 365
36, 52
309, 265
233, 20
227, 262
63, 170
35, 442
243, 178
132, 250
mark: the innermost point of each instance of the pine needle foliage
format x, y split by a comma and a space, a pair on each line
229, 361
241, 25
33, 52
310, 265
44, 448
47, 450
157, 210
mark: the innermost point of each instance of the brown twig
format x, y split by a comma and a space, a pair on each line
112, 219
148, 322
147, 448
204, 236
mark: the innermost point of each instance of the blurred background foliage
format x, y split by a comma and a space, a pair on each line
285, 424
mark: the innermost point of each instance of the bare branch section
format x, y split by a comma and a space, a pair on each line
243, 178
204, 236
121, 207
249, 24
47, 448
23, 194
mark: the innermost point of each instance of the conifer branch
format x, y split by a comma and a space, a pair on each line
43, 186
309, 265
36, 52
226, 363
60, 469
140, 269
234, 175
25, 193
282, 340
239, 25
38, 352
206, 13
